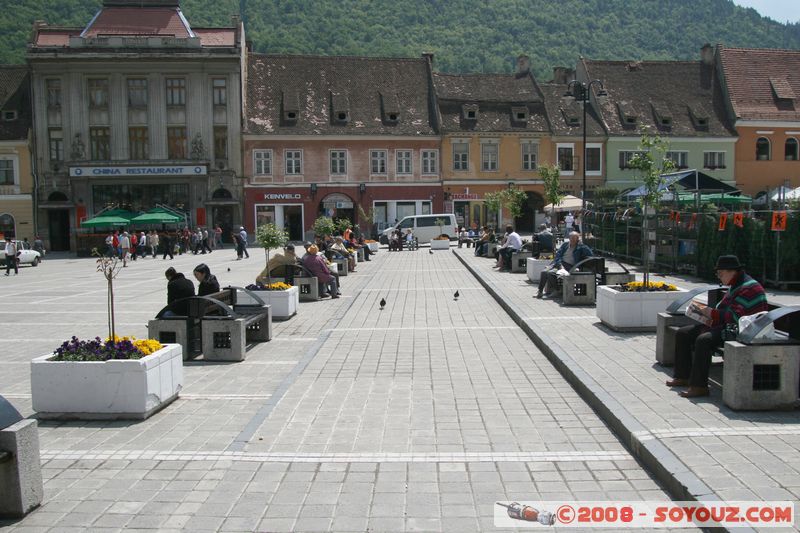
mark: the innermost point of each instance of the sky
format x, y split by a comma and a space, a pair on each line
780, 10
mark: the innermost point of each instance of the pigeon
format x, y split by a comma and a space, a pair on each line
455, 296
430, 252
229, 269
383, 304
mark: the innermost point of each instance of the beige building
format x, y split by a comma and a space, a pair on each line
16, 176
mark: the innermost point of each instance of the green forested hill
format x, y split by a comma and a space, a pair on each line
465, 35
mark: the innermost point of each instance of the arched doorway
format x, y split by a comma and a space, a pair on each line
530, 209
222, 212
8, 226
58, 223
338, 206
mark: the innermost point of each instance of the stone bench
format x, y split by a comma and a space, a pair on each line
21, 487
519, 261
297, 276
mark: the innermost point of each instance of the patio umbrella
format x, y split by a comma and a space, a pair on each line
569, 203
105, 221
156, 218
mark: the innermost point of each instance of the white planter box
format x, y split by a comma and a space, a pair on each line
440, 245
536, 267
632, 311
133, 388
283, 303
373, 247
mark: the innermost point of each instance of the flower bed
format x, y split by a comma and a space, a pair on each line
440, 243
121, 378
284, 301
652, 286
622, 309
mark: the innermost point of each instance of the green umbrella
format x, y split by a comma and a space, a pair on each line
105, 221
156, 218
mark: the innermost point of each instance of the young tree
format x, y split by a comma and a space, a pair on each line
110, 267
551, 177
513, 199
493, 201
366, 217
270, 236
651, 163
341, 225
323, 226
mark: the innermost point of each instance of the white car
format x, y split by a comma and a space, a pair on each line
24, 253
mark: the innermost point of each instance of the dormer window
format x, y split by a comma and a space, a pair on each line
340, 108
627, 114
662, 114
8, 116
782, 89
390, 107
290, 107
470, 111
342, 116
699, 117
571, 118
519, 114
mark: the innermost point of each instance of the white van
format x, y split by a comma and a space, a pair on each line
424, 227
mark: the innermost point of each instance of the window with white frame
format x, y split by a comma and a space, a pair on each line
56, 144
713, 160
7, 174
53, 92
565, 155
176, 91
594, 159
219, 91
489, 154
377, 161
262, 162
625, 157
460, 156
430, 161
790, 149
679, 158
294, 161
338, 161
530, 155
98, 93
403, 160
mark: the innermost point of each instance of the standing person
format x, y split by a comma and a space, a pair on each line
195, 242
218, 237
134, 245
208, 281
243, 235
143, 244
237, 244
569, 220
166, 243
110, 248
38, 246
11, 256
115, 242
124, 246
153, 241
205, 241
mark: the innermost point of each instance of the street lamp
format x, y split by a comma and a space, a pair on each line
581, 92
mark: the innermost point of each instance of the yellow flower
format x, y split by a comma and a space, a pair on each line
147, 346
278, 286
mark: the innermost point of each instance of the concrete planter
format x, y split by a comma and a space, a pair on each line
373, 247
283, 303
93, 390
632, 311
440, 244
535, 267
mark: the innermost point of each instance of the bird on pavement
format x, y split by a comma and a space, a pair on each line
455, 296
383, 304
430, 252
229, 269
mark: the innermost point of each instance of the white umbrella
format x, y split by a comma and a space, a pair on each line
568, 203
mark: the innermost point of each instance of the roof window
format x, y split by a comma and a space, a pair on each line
662, 114
519, 114
699, 117
470, 111
390, 107
289, 103
782, 89
340, 108
627, 113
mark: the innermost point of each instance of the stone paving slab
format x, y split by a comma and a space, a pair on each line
415, 418
701, 449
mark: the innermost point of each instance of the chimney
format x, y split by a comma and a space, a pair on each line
563, 75
428, 56
523, 65
707, 54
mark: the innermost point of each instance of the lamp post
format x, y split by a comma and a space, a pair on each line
581, 92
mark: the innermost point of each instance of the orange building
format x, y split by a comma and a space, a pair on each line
762, 87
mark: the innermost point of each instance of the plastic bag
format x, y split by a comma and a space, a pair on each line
562, 272
766, 333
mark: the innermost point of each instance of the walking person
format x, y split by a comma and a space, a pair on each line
124, 246
218, 237
166, 243
243, 235
38, 246
11, 256
205, 241
153, 242
237, 243
134, 245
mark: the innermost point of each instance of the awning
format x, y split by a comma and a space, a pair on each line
687, 180
105, 221
156, 218
568, 203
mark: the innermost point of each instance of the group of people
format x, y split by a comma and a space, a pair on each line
398, 240
179, 288
133, 245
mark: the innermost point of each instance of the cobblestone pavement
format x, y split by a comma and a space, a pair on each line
734, 455
415, 418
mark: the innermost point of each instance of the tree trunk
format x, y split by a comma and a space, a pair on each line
111, 295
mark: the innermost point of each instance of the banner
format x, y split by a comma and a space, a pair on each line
693, 220
723, 221
738, 219
779, 221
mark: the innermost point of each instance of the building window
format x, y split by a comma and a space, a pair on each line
219, 87
594, 159
791, 150
679, 159
404, 162
137, 92
566, 158
338, 162
713, 160
625, 157
56, 143
430, 162
100, 143
7, 172
294, 161
53, 92
530, 155
220, 142
98, 93
461, 156
176, 91
377, 161
138, 143
762, 149
262, 162
489, 157
177, 144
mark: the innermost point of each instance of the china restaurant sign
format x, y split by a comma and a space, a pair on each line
156, 170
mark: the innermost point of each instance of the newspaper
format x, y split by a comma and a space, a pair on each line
695, 311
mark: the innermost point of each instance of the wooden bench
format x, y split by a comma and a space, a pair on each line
216, 325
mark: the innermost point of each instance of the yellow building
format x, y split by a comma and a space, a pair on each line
16, 176
495, 133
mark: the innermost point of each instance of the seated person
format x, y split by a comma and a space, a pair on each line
569, 254
178, 288
482, 246
316, 265
208, 281
409, 239
695, 344
395, 241
463, 237
545, 239
513, 243
342, 250
363, 245
276, 267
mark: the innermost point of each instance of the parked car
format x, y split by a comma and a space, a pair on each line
424, 227
25, 254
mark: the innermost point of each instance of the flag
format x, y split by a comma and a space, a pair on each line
692, 221
738, 219
779, 221
723, 221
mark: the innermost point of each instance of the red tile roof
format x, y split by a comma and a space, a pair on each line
138, 21
60, 37
761, 82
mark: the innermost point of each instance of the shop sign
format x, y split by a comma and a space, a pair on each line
159, 170
284, 196
464, 196
344, 205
